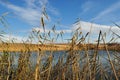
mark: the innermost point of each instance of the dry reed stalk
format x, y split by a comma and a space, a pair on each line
37, 70
50, 66
108, 54
88, 63
9, 66
94, 66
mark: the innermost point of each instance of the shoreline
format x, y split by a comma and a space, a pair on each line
17, 47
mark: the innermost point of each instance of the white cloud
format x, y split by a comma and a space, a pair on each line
95, 27
85, 27
108, 11
31, 11
87, 6
47, 30
13, 38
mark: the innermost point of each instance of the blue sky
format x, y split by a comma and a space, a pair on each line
24, 15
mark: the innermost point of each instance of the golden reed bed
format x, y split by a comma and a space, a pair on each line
55, 47
32, 47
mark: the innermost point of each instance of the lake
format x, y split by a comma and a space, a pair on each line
59, 54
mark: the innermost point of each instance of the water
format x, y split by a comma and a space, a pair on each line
103, 57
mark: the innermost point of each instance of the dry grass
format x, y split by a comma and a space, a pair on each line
17, 47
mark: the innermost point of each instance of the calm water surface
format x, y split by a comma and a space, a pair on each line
59, 54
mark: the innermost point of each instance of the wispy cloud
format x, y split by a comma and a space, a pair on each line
85, 27
57, 31
31, 12
87, 6
14, 38
95, 29
108, 11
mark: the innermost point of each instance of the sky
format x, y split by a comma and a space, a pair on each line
22, 16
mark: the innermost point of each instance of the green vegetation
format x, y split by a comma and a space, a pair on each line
74, 67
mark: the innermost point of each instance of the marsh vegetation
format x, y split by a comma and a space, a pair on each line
82, 64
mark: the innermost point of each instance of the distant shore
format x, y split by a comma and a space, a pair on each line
16, 47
